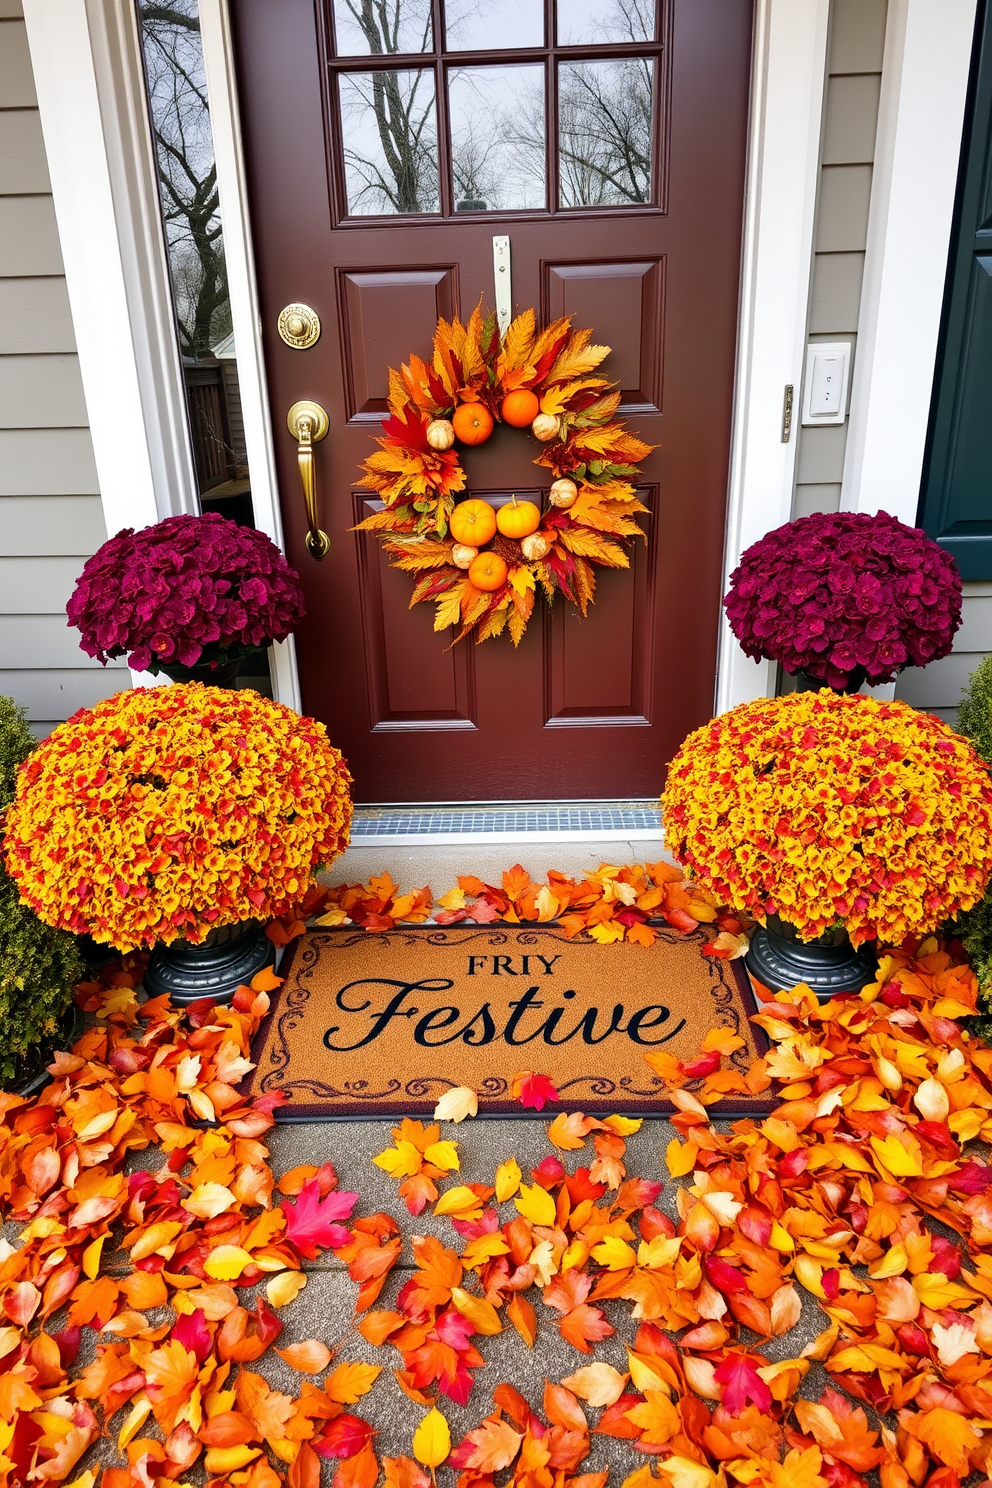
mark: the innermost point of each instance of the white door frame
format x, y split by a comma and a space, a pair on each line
90, 92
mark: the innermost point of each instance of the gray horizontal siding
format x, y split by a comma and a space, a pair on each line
31, 386
16, 77
34, 316
51, 517
37, 586
33, 526
31, 641
938, 687
53, 462
53, 694
23, 164
29, 239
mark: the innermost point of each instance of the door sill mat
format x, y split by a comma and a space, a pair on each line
505, 822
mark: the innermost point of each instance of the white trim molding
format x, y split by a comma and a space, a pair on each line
928, 47
218, 60
790, 52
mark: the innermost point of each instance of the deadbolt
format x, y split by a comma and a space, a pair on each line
299, 326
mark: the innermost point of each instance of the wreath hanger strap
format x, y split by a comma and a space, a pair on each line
482, 566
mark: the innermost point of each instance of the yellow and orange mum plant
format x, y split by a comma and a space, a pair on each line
165, 812
823, 808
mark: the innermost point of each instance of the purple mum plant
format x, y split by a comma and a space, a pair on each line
185, 591
840, 591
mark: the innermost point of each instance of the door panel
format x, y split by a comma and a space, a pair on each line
628, 297
645, 251
384, 314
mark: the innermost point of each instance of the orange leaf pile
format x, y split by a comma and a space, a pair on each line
846, 1193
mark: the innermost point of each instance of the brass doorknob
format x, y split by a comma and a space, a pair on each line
308, 423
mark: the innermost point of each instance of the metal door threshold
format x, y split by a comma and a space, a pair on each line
506, 821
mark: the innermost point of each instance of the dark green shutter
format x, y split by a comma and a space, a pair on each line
956, 497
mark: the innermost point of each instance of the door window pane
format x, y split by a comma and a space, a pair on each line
581, 22
490, 25
604, 131
497, 137
381, 27
389, 136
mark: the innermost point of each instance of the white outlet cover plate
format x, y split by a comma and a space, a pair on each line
842, 350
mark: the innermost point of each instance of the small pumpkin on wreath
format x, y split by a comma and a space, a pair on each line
480, 564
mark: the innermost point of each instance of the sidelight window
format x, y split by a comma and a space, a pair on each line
479, 106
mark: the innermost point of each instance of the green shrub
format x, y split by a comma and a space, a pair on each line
975, 926
38, 965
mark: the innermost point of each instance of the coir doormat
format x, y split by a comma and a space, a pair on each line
381, 1025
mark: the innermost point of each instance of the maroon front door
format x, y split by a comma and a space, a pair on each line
388, 142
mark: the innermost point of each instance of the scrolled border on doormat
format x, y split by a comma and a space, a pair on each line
416, 1095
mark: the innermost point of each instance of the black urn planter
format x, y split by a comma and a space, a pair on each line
228, 959
807, 683
828, 965
221, 674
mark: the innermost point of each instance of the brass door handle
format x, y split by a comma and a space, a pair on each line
308, 423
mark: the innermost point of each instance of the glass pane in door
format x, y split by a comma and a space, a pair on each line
581, 22
389, 137
381, 27
493, 25
497, 138
605, 112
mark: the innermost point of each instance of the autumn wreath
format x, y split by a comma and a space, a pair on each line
483, 564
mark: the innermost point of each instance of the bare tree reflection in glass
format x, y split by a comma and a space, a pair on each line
389, 135
604, 131
187, 173
381, 27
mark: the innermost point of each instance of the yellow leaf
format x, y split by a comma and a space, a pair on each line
136, 1418
680, 1158
536, 1204
801, 1469
443, 1155
449, 608
226, 1262
458, 1103
220, 1461
722, 1041
480, 1313
507, 1179
522, 580
935, 1291
624, 1126
899, 1159
432, 1439
459, 1201
401, 1161
661, 1251
614, 1254
683, 1472
91, 1258
285, 1288
208, 1200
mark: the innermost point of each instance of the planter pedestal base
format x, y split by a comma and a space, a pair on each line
830, 964
228, 959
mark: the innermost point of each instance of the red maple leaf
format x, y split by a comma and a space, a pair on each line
310, 1222
534, 1090
741, 1382
343, 1437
